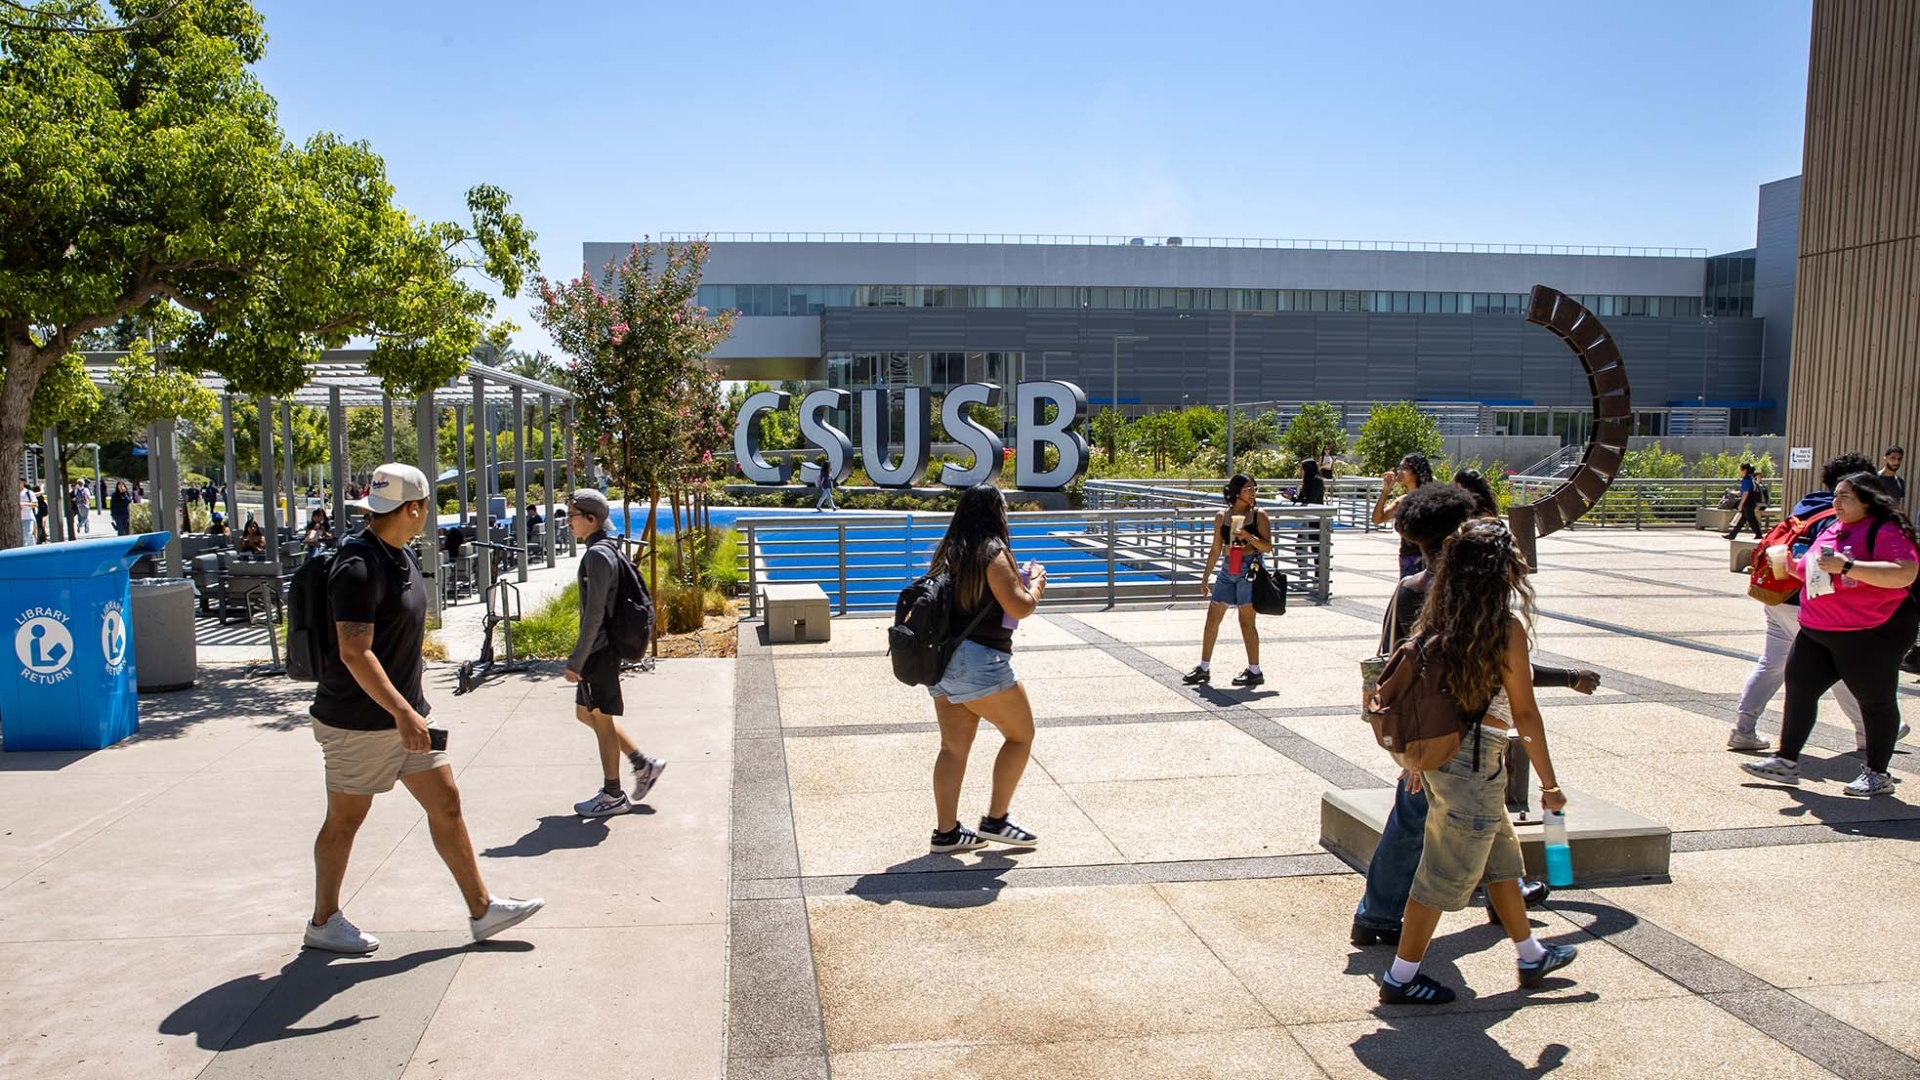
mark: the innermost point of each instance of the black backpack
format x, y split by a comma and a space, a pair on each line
630, 622
310, 636
920, 642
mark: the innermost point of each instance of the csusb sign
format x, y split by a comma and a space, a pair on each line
1032, 431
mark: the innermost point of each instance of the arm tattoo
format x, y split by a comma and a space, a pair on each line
354, 635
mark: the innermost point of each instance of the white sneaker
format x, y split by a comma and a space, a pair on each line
1777, 769
647, 775
1746, 740
1870, 783
603, 805
503, 913
339, 935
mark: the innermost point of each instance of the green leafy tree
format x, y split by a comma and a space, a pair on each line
1394, 431
143, 169
780, 429
1653, 462
1107, 426
1206, 425
1727, 464
1164, 438
1315, 427
1255, 430
204, 448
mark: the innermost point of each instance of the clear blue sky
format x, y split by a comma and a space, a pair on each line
1624, 122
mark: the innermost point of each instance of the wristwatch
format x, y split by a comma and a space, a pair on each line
1846, 568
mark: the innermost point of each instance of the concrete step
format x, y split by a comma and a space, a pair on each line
1611, 845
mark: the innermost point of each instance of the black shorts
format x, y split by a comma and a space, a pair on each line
599, 685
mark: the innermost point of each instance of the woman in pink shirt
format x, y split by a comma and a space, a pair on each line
1855, 634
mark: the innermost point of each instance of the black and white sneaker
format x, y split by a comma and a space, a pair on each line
1198, 676
958, 838
1006, 831
646, 773
1250, 678
1421, 991
1558, 956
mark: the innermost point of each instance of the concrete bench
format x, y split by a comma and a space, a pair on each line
1709, 518
797, 613
1740, 555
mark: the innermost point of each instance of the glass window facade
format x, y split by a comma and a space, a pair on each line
940, 371
813, 299
1729, 284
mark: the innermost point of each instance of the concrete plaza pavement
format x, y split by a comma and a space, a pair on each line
777, 915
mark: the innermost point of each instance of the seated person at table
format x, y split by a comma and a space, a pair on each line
252, 540
218, 526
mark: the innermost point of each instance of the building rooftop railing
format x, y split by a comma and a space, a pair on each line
1124, 240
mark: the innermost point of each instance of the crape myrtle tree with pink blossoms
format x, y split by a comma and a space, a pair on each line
639, 343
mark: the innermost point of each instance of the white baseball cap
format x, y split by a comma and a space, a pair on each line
393, 486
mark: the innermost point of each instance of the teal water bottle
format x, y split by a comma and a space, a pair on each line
1559, 853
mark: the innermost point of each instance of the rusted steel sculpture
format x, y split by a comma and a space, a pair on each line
1612, 419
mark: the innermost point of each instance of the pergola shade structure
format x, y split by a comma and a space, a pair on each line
341, 380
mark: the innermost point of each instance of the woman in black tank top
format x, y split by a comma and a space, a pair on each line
1233, 587
991, 593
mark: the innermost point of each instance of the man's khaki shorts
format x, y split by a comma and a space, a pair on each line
369, 762
1470, 838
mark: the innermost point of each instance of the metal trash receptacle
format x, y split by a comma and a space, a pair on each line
163, 625
73, 687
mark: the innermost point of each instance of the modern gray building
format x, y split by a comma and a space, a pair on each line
1157, 322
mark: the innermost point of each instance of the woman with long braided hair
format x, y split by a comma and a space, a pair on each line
1856, 634
1470, 629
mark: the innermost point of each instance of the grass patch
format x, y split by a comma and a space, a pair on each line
552, 629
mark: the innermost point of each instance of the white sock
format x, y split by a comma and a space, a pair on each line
1253, 668
1531, 951
1403, 971
1206, 665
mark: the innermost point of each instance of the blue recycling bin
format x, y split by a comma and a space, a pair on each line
72, 684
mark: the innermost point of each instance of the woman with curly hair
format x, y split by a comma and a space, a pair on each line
1473, 483
1468, 627
1413, 471
1856, 634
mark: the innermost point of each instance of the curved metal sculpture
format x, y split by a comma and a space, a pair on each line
1612, 419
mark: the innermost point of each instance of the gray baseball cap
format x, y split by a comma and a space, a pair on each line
589, 501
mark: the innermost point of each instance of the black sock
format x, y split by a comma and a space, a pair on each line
638, 760
612, 787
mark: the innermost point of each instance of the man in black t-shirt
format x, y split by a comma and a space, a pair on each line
370, 716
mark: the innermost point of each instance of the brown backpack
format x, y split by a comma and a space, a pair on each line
1415, 716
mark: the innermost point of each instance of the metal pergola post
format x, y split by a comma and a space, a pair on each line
427, 430
520, 531
483, 561
337, 441
460, 441
573, 477
232, 480
546, 436
57, 499
286, 456
386, 426
269, 498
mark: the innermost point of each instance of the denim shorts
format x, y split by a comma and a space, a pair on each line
974, 672
1234, 590
1470, 838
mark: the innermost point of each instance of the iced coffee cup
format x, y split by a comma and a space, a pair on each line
1777, 556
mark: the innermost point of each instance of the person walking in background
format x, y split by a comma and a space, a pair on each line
1427, 517
1890, 473
1783, 624
594, 666
370, 717
83, 505
991, 594
1469, 628
1749, 504
1476, 486
1413, 471
40, 512
1243, 532
1327, 459
1854, 629
120, 508
1313, 488
825, 483
27, 503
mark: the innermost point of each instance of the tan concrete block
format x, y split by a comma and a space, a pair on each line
1109, 752
873, 832
1575, 1040
1755, 908
1258, 1054
1286, 939
1214, 817
588, 1002
1031, 966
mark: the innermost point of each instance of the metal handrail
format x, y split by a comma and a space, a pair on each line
1111, 557
1131, 240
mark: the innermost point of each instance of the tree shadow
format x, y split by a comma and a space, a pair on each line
558, 832
937, 881
272, 1007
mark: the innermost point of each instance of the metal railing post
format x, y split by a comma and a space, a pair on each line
843, 568
1323, 560
1113, 580
753, 574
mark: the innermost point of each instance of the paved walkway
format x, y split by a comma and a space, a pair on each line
777, 916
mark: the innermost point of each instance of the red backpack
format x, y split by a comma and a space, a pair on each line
1762, 585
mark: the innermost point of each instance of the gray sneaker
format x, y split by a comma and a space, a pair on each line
1870, 783
1777, 769
1746, 740
646, 775
339, 935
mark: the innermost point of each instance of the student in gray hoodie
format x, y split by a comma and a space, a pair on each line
594, 667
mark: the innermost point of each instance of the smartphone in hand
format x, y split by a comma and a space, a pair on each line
437, 739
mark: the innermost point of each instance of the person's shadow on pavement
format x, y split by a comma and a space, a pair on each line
558, 832
939, 881
255, 1009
